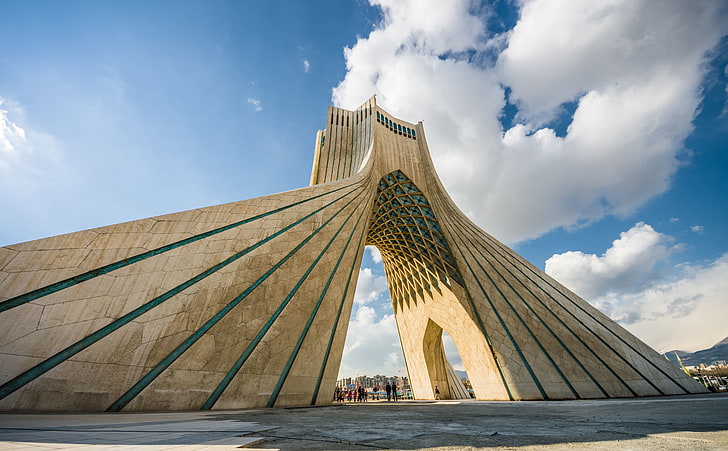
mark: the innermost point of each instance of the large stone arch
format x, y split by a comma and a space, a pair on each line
247, 304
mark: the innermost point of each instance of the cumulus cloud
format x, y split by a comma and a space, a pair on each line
687, 313
627, 266
665, 309
30, 161
631, 68
306, 66
592, 46
372, 342
372, 345
374, 254
12, 137
578, 112
452, 353
697, 228
33, 168
369, 286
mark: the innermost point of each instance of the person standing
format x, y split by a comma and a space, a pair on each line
388, 389
437, 393
394, 391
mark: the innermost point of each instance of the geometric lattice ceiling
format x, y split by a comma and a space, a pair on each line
404, 229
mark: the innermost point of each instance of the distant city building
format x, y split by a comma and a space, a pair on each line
374, 381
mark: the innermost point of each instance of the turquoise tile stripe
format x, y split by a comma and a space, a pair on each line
490, 344
338, 317
299, 343
48, 364
63, 284
471, 239
523, 323
607, 329
468, 226
503, 326
225, 382
130, 394
604, 327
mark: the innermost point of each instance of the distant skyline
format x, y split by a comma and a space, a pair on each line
693, 359
589, 136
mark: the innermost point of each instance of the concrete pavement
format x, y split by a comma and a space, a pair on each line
695, 422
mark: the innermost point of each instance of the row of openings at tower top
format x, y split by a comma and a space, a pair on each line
358, 115
397, 128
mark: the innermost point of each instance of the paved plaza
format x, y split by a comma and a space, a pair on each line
694, 422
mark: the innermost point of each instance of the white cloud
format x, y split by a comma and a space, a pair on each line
34, 176
724, 112
687, 313
372, 345
697, 228
256, 104
374, 254
369, 287
627, 266
431, 25
605, 94
685, 309
12, 136
30, 161
372, 342
306, 66
633, 69
452, 353
572, 49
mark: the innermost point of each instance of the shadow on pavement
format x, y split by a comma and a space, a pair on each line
666, 423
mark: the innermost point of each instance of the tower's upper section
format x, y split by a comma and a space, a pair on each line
344, 147
403, 224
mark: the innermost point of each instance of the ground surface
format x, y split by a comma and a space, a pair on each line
697, 422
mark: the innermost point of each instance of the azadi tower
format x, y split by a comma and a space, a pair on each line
247, 304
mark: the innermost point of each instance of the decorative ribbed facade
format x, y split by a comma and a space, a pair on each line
247, 304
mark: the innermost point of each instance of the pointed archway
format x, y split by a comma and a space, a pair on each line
425, 283
458, 384
442, 378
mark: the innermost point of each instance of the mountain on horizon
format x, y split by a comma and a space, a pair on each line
718, 351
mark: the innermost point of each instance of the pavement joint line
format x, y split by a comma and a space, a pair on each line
344, 442
669, 424
118, 431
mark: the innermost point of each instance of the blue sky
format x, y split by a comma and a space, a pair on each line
589, 136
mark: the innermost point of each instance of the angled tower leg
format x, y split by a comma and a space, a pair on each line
234, 306
247, 304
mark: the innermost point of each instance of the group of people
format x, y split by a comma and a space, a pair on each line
353, 395
360, 394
